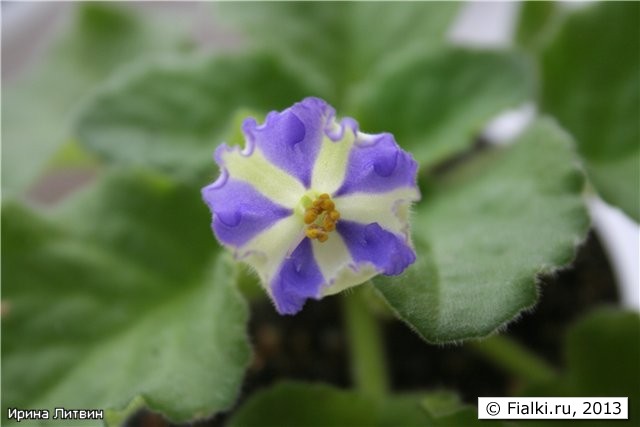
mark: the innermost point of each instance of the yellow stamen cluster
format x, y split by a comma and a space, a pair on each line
321, 217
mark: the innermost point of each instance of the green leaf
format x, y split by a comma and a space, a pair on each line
171, 114
302, 405
436, 106
291, 404
484, 235
602, 352
120, 294
37, 109
618, 182
336, 44
591, 83
441, 403
536, 21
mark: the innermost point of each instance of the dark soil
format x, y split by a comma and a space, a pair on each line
312, 346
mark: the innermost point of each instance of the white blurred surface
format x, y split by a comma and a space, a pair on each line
508, 125
620, 236
485, 24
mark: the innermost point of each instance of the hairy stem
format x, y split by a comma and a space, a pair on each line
368, 362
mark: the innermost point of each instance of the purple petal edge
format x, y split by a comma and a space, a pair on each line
388, 252
347, 123
377, 164
239, 211
291, 139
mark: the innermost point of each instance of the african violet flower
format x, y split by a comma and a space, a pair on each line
313, 205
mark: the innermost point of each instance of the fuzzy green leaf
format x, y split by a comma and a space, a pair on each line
120, 294
171, 114
336, 44
437, 105
591, 83
492, 225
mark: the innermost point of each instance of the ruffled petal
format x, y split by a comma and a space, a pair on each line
270, 208
387, 251
239, 211
297, 280
376, 165
291, 139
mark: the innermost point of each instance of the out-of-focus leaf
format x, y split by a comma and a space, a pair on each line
603, 351
336, 44
171, 115
591, 83
291, 404
618, 181
603, 354
297, 404
441, 403
36, 110
120, 293
536, 21
438, 104
492, 225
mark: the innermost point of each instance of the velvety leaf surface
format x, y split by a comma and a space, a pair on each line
120, 293
172, 114
302, 405
37, 108
335, 44
602, 354
492, 225
435, 106
591, 83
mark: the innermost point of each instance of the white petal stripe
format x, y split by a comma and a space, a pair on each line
331, 255
335, 263
268, 250
390, 210
348, 278
271, 181
331, 165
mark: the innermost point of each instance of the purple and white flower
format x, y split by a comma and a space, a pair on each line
312, 204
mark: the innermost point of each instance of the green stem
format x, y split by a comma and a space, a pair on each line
514, 358
367, 352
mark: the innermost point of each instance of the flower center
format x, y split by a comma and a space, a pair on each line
320, 217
